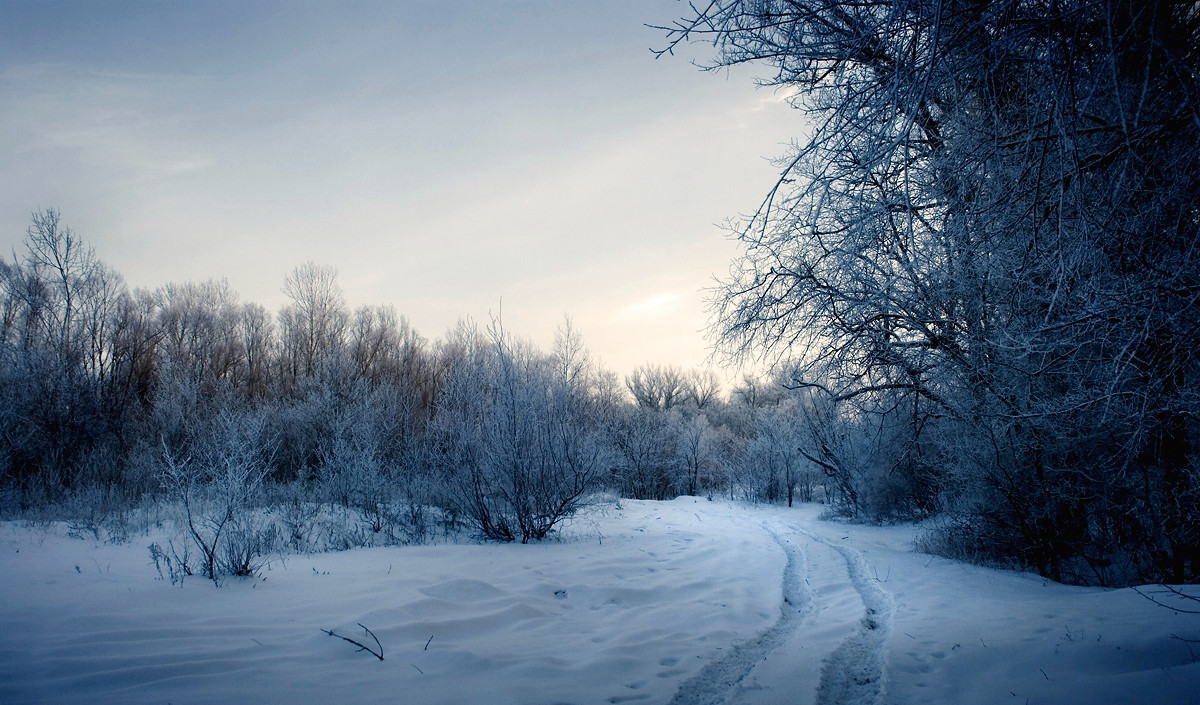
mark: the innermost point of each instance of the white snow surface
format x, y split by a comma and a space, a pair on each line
687, 601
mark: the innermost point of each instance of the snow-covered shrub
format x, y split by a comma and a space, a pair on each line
175, 561
219, 489
249, 540
517, 447
296, 516
97, 512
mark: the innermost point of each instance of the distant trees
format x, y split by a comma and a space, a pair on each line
776, 448
322, 427
646, 442
986, 250
199, 328
313, 326
64, 314
703, 387
657, 386
256, 333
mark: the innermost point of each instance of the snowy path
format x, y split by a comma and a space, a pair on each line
829, 594
854, 673
687, 601
720, 678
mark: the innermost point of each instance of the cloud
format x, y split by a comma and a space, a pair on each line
656, 306
783, 96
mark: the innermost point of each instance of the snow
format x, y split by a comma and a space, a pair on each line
688, 601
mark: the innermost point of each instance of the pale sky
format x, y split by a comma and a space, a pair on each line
444, 156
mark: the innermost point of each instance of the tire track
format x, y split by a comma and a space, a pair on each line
854, 674
717, 681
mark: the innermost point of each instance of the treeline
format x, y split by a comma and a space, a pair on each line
108, 396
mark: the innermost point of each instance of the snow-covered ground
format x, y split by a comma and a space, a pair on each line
688, 601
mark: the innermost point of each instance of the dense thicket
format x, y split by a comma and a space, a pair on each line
254, 424
980, 267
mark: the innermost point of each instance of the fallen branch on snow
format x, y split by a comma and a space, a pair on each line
360, 645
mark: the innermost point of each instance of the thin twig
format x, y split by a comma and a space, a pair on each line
1177, 593
368, 631
427, 643
1189, 643
360, 645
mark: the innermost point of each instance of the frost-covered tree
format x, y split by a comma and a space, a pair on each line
659, 387
646, 442
200, 332
703, 387
776, 450
63, 317
314, 325
992, 223
698, 458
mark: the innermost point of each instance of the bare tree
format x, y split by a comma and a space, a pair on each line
56, 256
199, 323
779, 441
757, 392
659, 387
256, 330
315, 323
703, 387
571, 356
646, 442
61, 311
